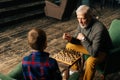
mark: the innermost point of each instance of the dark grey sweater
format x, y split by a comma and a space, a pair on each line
97, 38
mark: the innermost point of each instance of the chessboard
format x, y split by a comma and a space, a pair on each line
67, 56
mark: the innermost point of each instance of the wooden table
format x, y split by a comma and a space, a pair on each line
65, 68
66, 59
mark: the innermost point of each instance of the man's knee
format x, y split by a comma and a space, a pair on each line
91, 62
78, 48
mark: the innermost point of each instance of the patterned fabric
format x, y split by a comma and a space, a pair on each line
39, 66
97, 38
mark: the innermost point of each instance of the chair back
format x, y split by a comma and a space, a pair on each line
63, 3
62, 6
62, 11
16, 73
113, 65
114, 32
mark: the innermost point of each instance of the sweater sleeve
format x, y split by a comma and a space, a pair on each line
74, 40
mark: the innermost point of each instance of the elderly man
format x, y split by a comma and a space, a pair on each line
91, 38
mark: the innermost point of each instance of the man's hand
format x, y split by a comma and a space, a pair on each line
81, 37
67, 36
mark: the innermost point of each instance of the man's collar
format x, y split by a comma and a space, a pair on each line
91, 23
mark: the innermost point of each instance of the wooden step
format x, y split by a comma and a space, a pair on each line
21, 16
20, 6
9, 3
13, 10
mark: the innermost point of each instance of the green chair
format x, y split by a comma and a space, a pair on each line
112, 63
74, 76
4, 77
114, 55
16, 73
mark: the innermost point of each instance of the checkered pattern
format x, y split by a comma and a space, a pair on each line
39, 66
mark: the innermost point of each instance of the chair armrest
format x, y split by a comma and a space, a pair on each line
115, 51
4, 77
16, 73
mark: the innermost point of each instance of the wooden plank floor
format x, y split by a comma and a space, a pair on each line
13, 43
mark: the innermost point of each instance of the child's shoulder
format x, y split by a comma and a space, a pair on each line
25, 57
52, 60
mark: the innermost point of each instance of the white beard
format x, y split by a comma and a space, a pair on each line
83, 26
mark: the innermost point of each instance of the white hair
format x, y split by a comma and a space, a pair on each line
84, 9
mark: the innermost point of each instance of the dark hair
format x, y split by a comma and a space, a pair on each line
37, 39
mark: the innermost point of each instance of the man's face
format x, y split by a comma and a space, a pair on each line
83, 20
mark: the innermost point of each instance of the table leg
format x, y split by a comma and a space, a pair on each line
67, 74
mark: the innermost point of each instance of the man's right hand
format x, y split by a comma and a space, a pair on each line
67, 36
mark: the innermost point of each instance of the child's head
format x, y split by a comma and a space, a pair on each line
37, 39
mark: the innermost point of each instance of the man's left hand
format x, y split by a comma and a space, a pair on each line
80, 36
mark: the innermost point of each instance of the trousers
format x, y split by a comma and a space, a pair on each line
90, 63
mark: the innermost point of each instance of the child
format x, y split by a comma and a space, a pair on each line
38, 65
